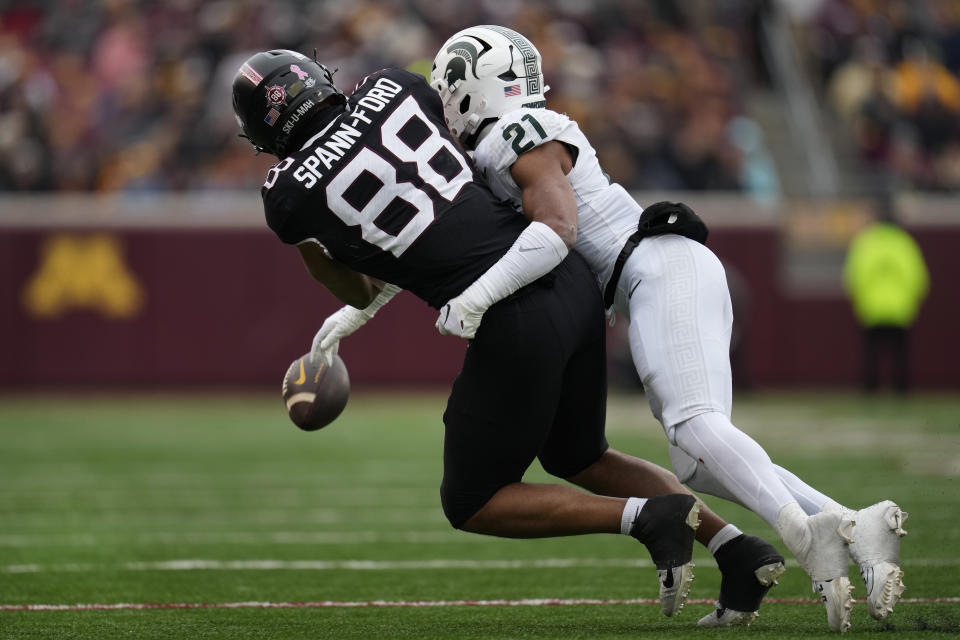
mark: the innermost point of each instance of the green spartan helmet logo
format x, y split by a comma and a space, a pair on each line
457, 67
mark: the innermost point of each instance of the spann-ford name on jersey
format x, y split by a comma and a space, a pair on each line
386, 190
607, 214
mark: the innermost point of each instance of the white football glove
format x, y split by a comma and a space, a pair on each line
337, 326
345, 321
458, 318
536, 251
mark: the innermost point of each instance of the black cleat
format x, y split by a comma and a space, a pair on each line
667, 526
749, 567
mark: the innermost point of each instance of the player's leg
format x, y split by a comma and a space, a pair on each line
876, 537
696, 476
876, 541
811, 501
498, 415
501, 411
736, 462
679, 333
666, 523
749, 565
618, 474
693, 475
528, 510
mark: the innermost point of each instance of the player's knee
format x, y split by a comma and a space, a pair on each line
702, 481
460, 505
556, 470
690, 472
567, 467
697, 476
684, 466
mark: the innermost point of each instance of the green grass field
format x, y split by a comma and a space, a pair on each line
187, 500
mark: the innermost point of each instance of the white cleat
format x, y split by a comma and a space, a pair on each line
837, 596
675, 586
876, 550
667, 526
820, 547
721, 617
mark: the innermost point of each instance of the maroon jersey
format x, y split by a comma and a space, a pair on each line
387, 190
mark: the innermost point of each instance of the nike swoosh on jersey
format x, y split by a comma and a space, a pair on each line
525, 249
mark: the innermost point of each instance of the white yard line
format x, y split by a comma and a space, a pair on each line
195, 564
239, 538
326, 565
524, 602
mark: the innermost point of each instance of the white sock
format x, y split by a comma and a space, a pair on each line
723, 536
736, 461
630, 513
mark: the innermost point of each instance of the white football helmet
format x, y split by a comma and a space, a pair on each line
484, 72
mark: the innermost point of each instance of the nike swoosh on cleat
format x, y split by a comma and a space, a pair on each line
668, 580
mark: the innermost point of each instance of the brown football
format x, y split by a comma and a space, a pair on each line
315, 394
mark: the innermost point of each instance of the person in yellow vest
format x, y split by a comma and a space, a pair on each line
887, 279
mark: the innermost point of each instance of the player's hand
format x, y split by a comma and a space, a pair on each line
458, 319
337, 326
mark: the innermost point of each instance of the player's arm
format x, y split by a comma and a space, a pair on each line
349, 286
362, 295
549, 202
541, 174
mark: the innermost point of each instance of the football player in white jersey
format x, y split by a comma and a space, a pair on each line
673, 291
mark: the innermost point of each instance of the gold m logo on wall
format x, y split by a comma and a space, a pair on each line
83, 272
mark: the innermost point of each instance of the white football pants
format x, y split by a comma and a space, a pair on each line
674, 292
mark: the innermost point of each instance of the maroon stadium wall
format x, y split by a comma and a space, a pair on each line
109, 296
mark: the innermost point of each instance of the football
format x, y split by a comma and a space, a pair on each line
315, 394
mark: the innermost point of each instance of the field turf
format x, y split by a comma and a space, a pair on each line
157, 513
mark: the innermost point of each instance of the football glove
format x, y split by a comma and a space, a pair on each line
458, 318
536, 251
343, 322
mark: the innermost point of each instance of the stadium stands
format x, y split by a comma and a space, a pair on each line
132, 96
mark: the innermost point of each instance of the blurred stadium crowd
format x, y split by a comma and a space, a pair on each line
890, 69
133, 95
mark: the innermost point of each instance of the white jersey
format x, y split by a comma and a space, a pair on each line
673, 290
607, 215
